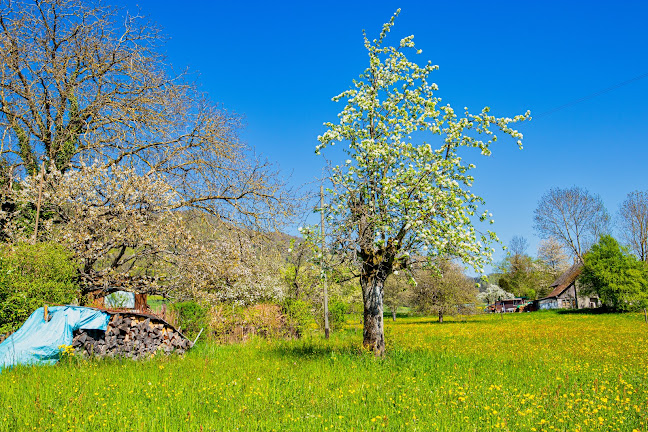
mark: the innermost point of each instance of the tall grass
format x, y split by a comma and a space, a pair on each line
531, 372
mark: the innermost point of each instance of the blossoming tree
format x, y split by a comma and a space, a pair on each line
404, 191
127, 233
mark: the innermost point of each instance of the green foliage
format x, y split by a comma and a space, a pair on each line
298, 313
236, 323
620, 280
443, 293
337, 313
31, 276
191, 316
525, 276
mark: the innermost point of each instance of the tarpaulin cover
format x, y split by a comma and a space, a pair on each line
38, 341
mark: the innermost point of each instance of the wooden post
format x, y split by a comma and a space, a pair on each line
645, 316
45, 317
38, 203
326, 318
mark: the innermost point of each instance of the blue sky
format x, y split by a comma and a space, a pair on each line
279, 64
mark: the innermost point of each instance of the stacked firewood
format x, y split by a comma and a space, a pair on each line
131, 335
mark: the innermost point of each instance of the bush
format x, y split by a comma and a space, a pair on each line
190, 316
618, 277
230, 324
31, 276
298, 314
337, 314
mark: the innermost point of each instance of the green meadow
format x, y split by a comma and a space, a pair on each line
519, 372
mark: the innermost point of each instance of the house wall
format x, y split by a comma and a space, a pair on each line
566, 299
545, 304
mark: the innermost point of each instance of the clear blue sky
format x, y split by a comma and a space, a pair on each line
279, 64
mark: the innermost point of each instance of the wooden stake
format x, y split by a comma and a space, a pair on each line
196, 340
645, 316
326, 320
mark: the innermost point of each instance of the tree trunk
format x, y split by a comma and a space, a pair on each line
393, 313
440, 316
140, 302
372, 295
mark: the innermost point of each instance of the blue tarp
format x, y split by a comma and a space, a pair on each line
38, 341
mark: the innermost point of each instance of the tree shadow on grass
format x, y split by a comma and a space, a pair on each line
304, 351
320, 348
434, 321
587, 311
388, 315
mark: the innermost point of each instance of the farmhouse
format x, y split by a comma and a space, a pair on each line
565, 292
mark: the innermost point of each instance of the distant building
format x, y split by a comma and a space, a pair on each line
565, 292
508, 305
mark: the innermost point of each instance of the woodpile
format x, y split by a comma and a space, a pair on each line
131, 335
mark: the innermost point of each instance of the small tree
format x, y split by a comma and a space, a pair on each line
110, 218
616, 275
518, 269
444, 293
397, 198
300, 276
525, 276
396, 289
553, 255
493, 293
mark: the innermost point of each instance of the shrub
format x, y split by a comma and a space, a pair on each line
190, 316
337, 314
298, 313
236, 324
31, 276
617, 276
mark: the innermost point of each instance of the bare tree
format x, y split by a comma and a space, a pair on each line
82, 80
633, 223
517, 250
573, 216
518, 245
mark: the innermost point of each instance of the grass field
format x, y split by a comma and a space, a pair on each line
519, 372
